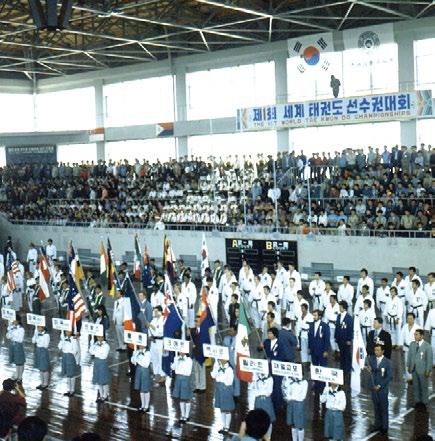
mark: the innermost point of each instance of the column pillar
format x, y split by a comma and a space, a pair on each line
282, 135
180, 100
99, 118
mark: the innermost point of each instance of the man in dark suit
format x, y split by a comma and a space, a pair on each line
379, 335
380, 376
287, 342
318, 344
344, 336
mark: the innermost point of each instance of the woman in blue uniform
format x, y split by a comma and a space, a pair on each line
294, 392
15, 334
41, 340
183, 389
141, 358
70, 349
101, 374
335, 400
263, 388
223, 375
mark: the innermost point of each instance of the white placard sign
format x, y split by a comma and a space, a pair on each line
287, 369
327, 375
135, 338
215, 351
93, 328
176, 345
8, 314
62, 324
255, 365
35, 319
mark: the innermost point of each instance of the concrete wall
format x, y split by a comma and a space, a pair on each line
345, 253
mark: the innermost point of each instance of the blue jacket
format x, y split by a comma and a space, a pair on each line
271, 353
287, 342
319, 343
344, 330
382, 375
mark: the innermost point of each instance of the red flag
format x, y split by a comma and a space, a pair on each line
11, 285
44, 278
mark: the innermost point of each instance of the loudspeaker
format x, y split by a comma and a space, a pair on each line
65, 14
37, 13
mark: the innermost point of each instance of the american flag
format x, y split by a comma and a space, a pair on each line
15, 268
11, 285
76, 305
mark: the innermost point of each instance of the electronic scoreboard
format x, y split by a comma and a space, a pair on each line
260, 252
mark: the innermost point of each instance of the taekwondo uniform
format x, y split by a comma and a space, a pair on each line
393, 318
346, 293
382, 296
365, 281
366, 319
417, 303
316, 290
302, 328
330, 317
406, 338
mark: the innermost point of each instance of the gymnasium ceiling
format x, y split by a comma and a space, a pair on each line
112, 33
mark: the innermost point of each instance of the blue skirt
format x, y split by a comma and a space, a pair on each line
42, 359
69, 365
142, 379
182, 388
334, 424
223, 397
16, 354
101, 374
296, 414
266, 404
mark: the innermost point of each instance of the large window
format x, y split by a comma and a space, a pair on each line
219, 93
226, 145
136, 102
76, 153
424, 63
16, 112
337, 138
149, 149
66, 110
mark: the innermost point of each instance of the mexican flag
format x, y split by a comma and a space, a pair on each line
242, 343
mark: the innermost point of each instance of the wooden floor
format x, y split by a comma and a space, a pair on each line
119, 420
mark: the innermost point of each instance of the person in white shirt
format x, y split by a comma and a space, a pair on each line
223, 375
289, 301
32, 258
417, 302
246, 277
265, 278
382, 295
407, 337
262, 391
15, 333
156, 337
276, 289
429, 289
327, 293
316, 290
51, 250
19, 282
230, 290
281, 274
294, 392
366, 317
412, 275
430, 327
225, 282
157, 297
118, 320
292, 272
360, 299
101, 374
393, 316
330, 316
141, 358
256, 298
70, 349
346, 292
302, 328
365, 280
182, 365
41, 340
402, 287
189, 290
335, 401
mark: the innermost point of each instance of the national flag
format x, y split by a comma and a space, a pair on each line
359, 355
76, 268
146, 270
138, 263
112, 277
11, 285
11, 258
103, 262
168, 258
242, 343
205, 323
44, 276
130, 304
76, 305
15, 268
204, 256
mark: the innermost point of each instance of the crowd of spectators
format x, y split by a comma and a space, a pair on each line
348, 190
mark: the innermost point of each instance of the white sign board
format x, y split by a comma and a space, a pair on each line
135, 338
8, 314
255, 365
215, 351
327, 375
93, 328
35, 319
287, 369
62, 324
176, 345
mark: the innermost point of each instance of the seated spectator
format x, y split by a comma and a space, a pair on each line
32, 428
12, 401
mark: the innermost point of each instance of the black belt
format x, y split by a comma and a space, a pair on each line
332, 321
157, 338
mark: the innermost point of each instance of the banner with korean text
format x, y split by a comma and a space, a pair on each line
361, 109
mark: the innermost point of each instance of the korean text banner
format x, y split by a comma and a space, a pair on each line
362, 109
